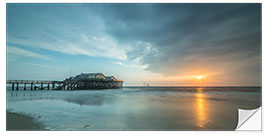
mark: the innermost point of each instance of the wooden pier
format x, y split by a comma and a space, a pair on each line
80, 82
34, 84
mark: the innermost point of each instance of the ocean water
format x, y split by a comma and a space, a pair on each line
136, 108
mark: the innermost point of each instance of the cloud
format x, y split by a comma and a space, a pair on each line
23, 52
171, 39
221, 39
56, 32
119, 63
131, 65
41, 65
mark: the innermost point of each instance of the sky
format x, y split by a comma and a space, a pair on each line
160, 44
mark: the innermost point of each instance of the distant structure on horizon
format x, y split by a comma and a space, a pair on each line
90, 81
145, 84
82, 81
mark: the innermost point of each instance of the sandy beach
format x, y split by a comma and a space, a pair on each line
20, 122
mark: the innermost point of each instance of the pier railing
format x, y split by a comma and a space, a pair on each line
34, 84
66, 84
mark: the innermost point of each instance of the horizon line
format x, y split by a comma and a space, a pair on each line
197, 86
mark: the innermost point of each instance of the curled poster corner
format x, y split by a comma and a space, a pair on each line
249, 119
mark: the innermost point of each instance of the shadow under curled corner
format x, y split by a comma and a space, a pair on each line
249, 120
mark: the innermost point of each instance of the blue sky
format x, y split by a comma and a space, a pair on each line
163, 44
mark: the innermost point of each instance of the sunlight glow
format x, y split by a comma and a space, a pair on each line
201, 110
199, 77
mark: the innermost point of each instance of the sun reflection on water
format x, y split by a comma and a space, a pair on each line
201, 109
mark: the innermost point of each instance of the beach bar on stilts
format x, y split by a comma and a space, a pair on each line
83, 81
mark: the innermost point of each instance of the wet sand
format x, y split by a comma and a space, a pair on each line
20, 122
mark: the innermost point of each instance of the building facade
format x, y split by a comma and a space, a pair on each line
85, 81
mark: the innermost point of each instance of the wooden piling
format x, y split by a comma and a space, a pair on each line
66, 85
41, 86
17, 88
12, 86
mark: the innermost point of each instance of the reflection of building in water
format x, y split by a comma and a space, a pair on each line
201, 110
92, 100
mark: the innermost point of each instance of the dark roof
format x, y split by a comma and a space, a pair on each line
92, 73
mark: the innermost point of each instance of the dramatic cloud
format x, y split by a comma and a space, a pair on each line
172, 40
61, 28
223, 40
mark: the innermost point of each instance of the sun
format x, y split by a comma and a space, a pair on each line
199, 77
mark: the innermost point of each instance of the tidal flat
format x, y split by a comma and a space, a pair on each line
131, 108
